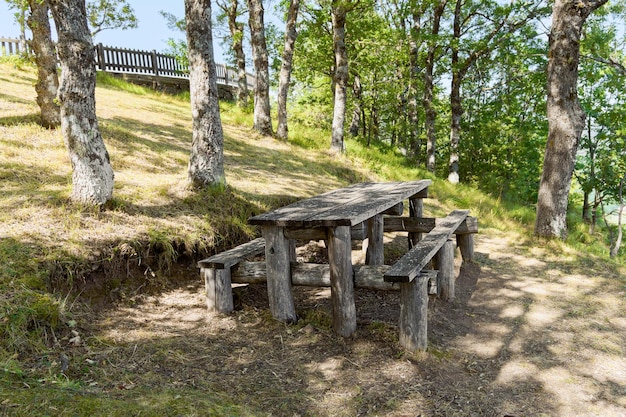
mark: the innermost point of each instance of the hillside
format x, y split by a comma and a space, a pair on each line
103, 313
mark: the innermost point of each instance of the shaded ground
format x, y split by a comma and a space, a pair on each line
528, 335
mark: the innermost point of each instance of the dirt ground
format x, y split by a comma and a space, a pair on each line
527, 335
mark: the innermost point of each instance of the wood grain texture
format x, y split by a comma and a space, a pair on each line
343, 207
341, 283
233, 256
277, 257
409, 266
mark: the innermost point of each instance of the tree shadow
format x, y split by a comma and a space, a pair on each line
33, 118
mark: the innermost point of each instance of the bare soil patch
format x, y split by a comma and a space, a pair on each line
528, 335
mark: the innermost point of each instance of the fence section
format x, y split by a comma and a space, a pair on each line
10, 46
132, 61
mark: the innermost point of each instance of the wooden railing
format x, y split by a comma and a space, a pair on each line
130, 61
10, 46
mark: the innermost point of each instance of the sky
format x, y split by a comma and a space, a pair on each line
152, 32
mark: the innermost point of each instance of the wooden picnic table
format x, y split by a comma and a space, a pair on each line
334, 213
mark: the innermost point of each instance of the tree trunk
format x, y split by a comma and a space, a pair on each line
92, 176
236, 32
206, 164
358, 99
414, 144
262, 116
338, 16
618, 241
285, 68
46, 61
456, 108
431, 115
566, 119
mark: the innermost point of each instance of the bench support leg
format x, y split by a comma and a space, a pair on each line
466, 245
341, 280
219, 292
278, 259
375, 251
414, 314
416, 209
444, 261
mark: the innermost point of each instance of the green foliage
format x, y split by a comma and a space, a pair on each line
505, 127
19, 62
110, 14
110, 81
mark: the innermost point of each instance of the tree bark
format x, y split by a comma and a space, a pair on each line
236, 32
262, 116
413, 140
456, 109
620, 232
285, 68
357, 91
430, 114
92, 176
566, 118
46, 60
338, 16
206, 164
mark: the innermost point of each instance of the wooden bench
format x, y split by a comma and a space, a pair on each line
408, 271
216, 271
408, 274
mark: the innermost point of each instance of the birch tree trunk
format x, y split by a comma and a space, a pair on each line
262, 116
46, 60
566, 118
206, 164
285, 68
92, 176
338, 16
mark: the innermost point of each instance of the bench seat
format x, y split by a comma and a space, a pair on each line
436, 246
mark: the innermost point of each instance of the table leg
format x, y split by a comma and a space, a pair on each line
341, 280
416, 209
375, 234
278, 260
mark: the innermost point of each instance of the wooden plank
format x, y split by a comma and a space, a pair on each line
343, 207
318, 275
372, 200
341, 283
390, 224
277, 257
426, 224
233, 256
219, 294
375, 254
413, 323
409, 266
444, 262
466, 245
416, 210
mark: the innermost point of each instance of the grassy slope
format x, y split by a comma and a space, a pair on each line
155, 219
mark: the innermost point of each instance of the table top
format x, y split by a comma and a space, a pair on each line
342, 207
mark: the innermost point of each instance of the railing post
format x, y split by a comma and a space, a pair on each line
155, 65
100, 54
